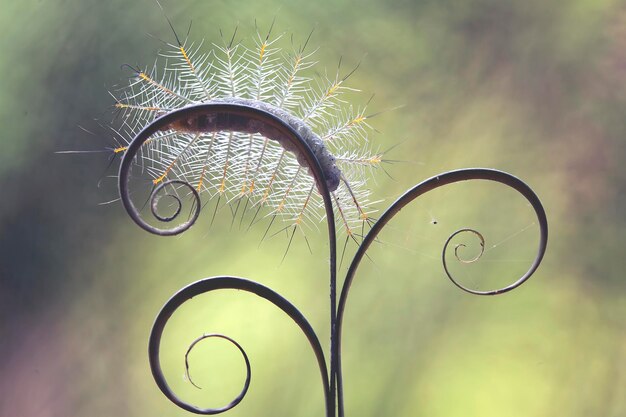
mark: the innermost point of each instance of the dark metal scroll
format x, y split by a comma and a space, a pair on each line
218, 283
232, 116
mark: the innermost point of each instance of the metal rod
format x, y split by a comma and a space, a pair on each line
246, 118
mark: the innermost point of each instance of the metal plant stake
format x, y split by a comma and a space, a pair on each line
245, 117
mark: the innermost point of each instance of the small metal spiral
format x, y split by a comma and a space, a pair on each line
458, 256
156, 197
246, 384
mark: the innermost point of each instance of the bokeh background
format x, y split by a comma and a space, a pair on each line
533, 87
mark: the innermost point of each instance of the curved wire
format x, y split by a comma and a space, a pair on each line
479, 255
224, 282
240, 116
413, 193
246, 384
216, 117
464, 261
155, 197
229, 116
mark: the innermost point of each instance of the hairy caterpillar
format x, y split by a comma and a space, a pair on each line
205, 124
247, 162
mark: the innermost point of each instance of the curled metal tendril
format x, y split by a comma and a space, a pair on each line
233, 115
459, 258
223, 116
463, 245
246, 384
409, 196
218, 283
155, 197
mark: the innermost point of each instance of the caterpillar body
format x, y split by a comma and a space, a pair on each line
209, 124
244, 160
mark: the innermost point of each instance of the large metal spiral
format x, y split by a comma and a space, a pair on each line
234, 283
331, 372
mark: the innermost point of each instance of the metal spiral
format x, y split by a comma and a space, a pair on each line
459, 258
332, 380
463, 245
218, 283
409, 196
155, 198
246, 384
231, 116
228, 116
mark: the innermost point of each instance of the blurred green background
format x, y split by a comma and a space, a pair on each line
536, 88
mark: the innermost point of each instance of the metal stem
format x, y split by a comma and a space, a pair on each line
242, 117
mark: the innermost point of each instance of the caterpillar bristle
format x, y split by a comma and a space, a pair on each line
253, 176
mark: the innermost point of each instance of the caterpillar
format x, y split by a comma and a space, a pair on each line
203, 124
246, 162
